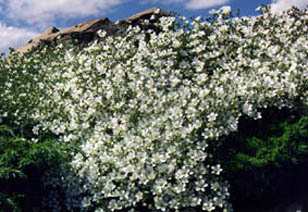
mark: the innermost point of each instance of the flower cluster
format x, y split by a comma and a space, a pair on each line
144, 107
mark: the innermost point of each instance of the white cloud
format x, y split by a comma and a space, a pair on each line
14, 37
45, 12
164, 1
281, 5
204, 4
192, 4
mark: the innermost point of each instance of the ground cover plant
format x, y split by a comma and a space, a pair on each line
149, 110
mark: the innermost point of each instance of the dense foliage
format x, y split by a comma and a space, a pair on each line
264, 158
24, 166
149, 110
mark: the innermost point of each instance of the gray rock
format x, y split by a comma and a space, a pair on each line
86, 32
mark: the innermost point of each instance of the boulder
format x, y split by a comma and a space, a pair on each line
86, 32
46, 35
147, 14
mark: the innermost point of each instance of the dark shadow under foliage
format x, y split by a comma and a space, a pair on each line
23, 164
266, 161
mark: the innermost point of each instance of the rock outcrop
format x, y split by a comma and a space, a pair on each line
86, 32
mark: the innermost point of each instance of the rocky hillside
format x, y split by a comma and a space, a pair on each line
86, 32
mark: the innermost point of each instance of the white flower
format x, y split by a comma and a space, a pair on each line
101, 33
212, 117
216, 169
225, 10
212, 12
208, 206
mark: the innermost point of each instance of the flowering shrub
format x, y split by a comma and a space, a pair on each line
145, 107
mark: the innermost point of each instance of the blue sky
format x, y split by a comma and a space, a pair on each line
21, 20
